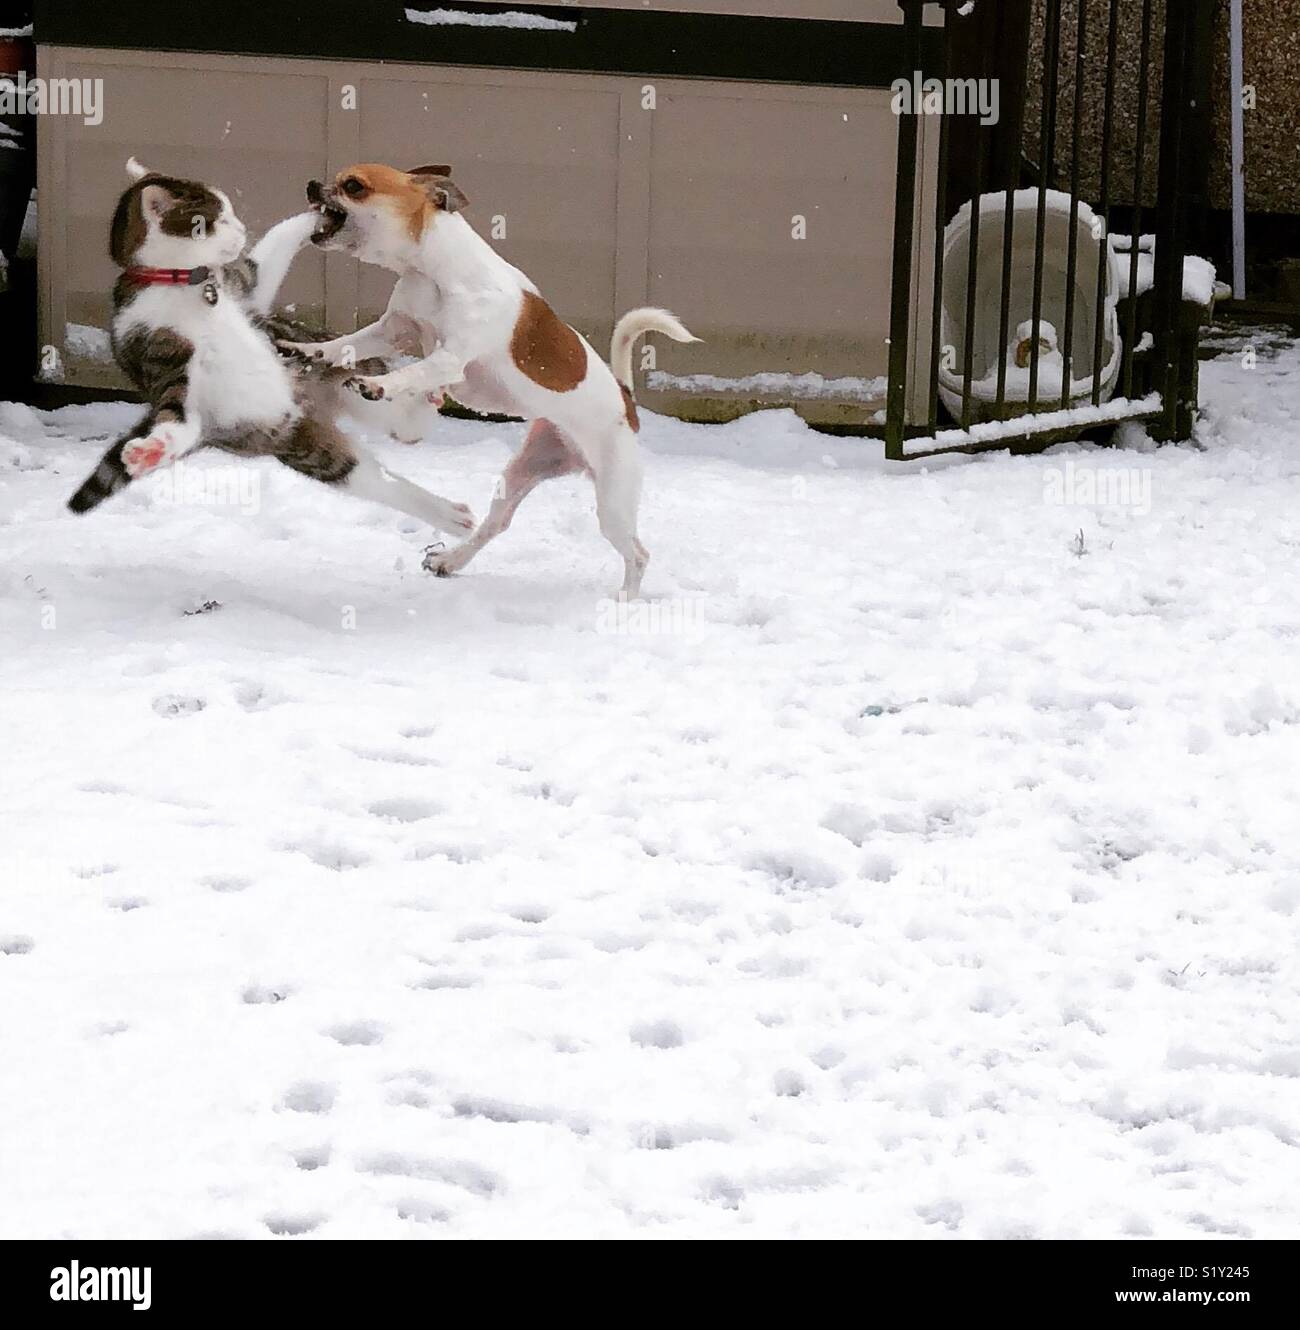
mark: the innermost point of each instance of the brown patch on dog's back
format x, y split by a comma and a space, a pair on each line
629, 408
545, 349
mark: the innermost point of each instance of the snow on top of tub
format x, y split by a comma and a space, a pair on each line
510, 18
1023, 200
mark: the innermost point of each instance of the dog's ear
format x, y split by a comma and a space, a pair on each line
442, 190
449, 197
437, 183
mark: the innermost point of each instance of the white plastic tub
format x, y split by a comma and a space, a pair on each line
985, 331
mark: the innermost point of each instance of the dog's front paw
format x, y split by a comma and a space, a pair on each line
440, 561
371, 389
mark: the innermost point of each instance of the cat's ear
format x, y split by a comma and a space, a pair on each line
156, 201
136, 171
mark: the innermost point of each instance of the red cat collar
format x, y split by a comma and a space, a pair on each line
167, 276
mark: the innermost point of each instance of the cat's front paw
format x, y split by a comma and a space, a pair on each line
458, 517
371, 389
300, 351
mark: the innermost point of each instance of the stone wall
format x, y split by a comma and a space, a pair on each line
1272, 127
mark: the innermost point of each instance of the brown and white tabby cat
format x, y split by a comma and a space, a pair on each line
189, 329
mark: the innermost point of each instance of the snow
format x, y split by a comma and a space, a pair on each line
510, 18
808, 386
1041, 422
928, 868
1022, 200
1199, 275
83, 341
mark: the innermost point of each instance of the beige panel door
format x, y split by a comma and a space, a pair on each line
536, 154
732, 175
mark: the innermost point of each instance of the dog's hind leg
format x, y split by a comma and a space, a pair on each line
618, 495
545, 455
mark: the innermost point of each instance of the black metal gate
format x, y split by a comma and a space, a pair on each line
1078, 86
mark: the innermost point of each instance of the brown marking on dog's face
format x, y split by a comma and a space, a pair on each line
629, 408
415, 197
546, 350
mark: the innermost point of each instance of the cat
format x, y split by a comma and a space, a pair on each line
192, 330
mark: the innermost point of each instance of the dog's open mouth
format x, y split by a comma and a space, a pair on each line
330, 224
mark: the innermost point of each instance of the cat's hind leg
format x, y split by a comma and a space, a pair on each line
159, 441
165, 442
320, 450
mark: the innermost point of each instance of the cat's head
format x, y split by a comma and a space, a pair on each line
380, 214
165, 222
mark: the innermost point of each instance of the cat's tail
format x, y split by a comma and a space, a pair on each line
103, 482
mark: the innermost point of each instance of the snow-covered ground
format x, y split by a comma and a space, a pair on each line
920, 861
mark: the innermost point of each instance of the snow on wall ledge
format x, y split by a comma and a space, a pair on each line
511, 18
797, 387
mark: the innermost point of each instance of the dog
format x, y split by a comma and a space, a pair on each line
487, 338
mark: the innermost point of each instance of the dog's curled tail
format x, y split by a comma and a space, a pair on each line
634, 324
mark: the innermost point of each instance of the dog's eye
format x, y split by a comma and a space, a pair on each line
353, 186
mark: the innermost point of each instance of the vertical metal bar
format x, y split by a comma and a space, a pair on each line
1238, 157
900, 307
1014, 154
940, 221
1047, 150
972, 268
1072, 245
1193, 201
1176, 114
1103, 265
1144, 76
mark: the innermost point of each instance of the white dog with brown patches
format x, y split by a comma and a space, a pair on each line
487, 338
